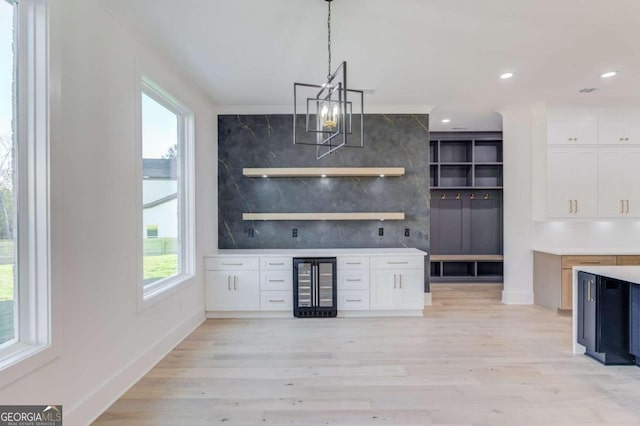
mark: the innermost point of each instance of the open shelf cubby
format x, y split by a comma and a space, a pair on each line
466, 178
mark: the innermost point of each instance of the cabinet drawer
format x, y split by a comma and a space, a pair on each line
353, 280
353, 300
276, 280
396, 262
276, 263
276, 301
231, 263
571, 261
353, 262
628, 260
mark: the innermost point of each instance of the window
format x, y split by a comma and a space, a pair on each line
166, 144
25, 320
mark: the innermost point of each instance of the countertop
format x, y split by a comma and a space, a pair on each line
588, 251
321, 252
624, 273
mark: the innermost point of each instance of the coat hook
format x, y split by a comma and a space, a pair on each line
443, 196
486, 196
457, 196
473, 196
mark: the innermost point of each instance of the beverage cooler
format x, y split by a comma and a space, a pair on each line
314, 287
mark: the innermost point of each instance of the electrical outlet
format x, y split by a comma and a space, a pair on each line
407, 232
294, 233
380, 232
250, 232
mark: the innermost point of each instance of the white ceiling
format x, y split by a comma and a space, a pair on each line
446, 53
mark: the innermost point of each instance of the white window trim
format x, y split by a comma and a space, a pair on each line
151, 294
36, 345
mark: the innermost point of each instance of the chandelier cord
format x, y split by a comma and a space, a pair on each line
329, 39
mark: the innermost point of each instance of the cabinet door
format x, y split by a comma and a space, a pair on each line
618, 127
631, 181
572, 130
587, 297
611, 175
232, 291
448, 222
384, 286
572, 178
485, 223
410, 294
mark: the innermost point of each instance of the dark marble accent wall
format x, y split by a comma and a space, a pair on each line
266, 141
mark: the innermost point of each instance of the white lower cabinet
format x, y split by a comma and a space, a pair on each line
398, 288
247, 286
232, 290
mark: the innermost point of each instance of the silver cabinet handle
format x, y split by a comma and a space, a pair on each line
354, 300
228, 282
588, 291
400, 280
276, 264
627, 206
397, 263
621, 206
235, 282
394, 280
353, 263
576, 209
276, 300
232, 264
353, 279
570, 206
275, 281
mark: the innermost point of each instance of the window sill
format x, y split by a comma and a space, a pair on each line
25, 359
170, 286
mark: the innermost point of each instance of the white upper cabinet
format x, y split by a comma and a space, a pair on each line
572, 178
572, 128
618, 182
619, 127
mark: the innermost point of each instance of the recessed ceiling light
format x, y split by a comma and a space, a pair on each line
446, 120
264, 176
381, 175
506, 75
609, 74
323, 175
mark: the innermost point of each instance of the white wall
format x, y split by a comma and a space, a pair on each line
106, 343
518, 226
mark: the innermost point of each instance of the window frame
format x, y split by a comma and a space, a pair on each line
154, 292
35, 77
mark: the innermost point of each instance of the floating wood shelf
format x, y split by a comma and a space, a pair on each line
324, 216
323, 172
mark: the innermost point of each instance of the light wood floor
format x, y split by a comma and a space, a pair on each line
469, 361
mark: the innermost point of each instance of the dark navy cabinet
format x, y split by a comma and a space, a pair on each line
603, 318
634, 321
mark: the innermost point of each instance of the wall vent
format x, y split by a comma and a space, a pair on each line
587, 90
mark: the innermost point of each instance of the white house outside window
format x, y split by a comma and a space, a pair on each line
166, 195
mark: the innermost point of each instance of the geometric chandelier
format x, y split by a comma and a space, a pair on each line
328, 110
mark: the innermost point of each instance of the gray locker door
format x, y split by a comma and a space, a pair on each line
485, 224
448, 229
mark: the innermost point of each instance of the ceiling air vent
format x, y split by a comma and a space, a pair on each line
587, 90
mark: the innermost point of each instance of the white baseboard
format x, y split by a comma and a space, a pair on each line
95, 403
517, 297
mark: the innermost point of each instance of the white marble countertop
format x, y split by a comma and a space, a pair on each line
624, 273
321, 252
588, 251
